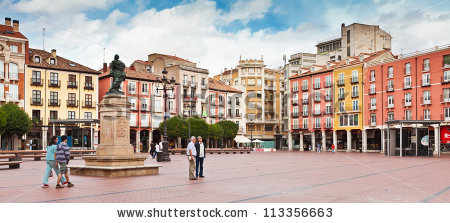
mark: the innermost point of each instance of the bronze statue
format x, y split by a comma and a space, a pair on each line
118, 75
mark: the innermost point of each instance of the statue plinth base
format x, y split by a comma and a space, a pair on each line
115, 156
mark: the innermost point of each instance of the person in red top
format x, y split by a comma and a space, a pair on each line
332, 148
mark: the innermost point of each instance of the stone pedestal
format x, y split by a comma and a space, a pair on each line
115, 156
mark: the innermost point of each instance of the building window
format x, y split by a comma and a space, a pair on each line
258, 82
88, 98
52, 61
305, 85
354, 76
373, 119
317, 82
88, 115
144, 104
341, 78
36, 97
426, 79
372, 88
54, 79
408, 99
251, 82
355, 105
203, 82
426, 114
372, 75
317, 123
144, 120
36, 115
390, 72
317, 109
295, 86
88, 82
328, 94
237, 113
408, 115
328, 108
355, 91
349, 120
407, 68
14, 49
305, 123
328, 122
447, 114
132, 87
185, 80
72, 80
407, 82
390, 101
328, 81
54, 115
133, 103
341, 93
37, 59
391, 116
133, 120
446, 95
295, 99
305, 110
53, 98
426, 97
71, 115
341, 106
35, 77
72, 99
426, 65
295, 126
13, 71
317, 96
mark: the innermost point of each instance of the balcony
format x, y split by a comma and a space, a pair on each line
294, 90
445, 118
221, 104
445, 80
295, 115
88, 86
327, 83
327, 98
72, 84
186, 99
425, 101
193, 84
406, 103
212, 115
425, 67
88, 104
317, 126
372, 107
317, 113
36, 101
204, 86
355, 80
72, 103
305, 101
294, 102
304, 87
37, 120
445, 65
445, 99
294, 126
373, 92
355, 95
317, 85
305, 114
425, 82
389, 105
54, 83
54, 102
340, 82
36, 82
371, 123
270, 87
424, 118
389, 88
186, 83
316, 99
341, 96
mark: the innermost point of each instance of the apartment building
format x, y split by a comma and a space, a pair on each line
13, 54
224, 103
263, 92
409, 102
147, 103
61, 99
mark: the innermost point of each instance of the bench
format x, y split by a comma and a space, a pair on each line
212, 151
36, 157
12, 164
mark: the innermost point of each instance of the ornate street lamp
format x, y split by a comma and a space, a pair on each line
166, 85
251, 124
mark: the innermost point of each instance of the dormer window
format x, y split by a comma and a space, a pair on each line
37, 59
347, 61
361, 58
312, 69
52, 61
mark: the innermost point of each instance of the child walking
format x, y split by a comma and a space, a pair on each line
63, 157
51, 162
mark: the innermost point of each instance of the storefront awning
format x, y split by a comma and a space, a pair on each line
241, 139
72, 121
422, 122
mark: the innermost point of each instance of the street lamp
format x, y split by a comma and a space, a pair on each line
166, 85
251, 124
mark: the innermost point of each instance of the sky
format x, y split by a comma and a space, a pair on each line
215, 34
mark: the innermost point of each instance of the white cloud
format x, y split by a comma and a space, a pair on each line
61, 6
246, 10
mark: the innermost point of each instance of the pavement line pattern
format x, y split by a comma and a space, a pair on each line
436, 195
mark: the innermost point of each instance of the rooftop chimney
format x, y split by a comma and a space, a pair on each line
16, 25
132, 67
7, 21
53, 53
105, 67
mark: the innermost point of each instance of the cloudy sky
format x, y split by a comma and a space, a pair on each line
215, 33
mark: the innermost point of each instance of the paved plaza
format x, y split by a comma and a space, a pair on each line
257, 177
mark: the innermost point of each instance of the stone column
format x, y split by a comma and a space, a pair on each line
349, 140
335, 140
138, 141
383, 138
44, 138
324, 141
437, 140
301, 141
95, 139
179, 142
290, 141
364, 140
313, 141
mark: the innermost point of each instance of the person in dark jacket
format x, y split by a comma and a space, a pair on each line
200, 147
152, 150
62, 156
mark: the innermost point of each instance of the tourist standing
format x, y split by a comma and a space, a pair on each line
51, 162
152, 150
318, 147
309, 149
191, 153
63, 157
201, 154
332, 148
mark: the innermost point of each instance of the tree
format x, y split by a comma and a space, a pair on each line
17, 121
215, 132
230, 129
199, 127
176, 127
2, 122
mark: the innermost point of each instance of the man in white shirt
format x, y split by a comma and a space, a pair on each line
200, 147
191, 153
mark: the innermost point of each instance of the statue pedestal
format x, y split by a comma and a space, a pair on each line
115, 156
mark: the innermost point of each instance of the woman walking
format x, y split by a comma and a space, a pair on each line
51, 162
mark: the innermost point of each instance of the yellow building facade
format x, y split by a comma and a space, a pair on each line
61, 98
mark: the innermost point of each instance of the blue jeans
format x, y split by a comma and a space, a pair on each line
199, 163
51, 164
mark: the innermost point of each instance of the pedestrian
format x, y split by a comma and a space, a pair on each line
141, 147
63, 157
309, 148
191, 153
157, 149
152, 150
51, 162
332, 147
318, 147
201, 154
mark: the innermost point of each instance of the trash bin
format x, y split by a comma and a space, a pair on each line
159, 157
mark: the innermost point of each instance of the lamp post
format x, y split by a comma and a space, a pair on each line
166, 85
251, 124
189, 120
221, 145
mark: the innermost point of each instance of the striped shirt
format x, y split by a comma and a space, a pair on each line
62, 153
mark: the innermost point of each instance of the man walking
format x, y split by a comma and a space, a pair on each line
191, 152
63, 157
200, 148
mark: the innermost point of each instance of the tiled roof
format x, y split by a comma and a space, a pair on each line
61, 63
134, 74
8, 32
146, 63
220, 86
164, 56
229, 71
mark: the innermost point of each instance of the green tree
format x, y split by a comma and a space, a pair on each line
199, 127
176, 127
2, 122
215, 131
230, 129
17, 121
